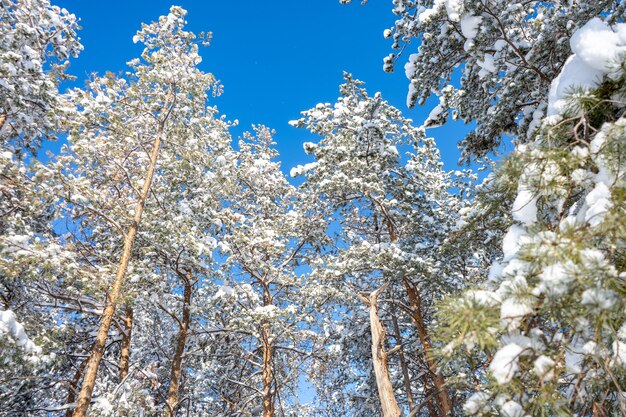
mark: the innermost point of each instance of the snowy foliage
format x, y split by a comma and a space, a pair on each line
37, 40
549, 322
508, 54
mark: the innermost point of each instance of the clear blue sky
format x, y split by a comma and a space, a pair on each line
275, 58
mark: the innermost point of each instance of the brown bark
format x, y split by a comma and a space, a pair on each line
126, 339
84, 397
268, 353
3, 119
73, 389
176, 371
415, 304
388, 403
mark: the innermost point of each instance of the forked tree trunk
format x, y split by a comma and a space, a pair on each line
268, 353
97, 350
388, 403
181, 341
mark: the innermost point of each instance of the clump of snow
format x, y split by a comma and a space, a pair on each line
454, 8
9, 325
544, 368
597, 45
599, 298
487, 65
506, 362
301, 169
512, 409
619, 353
596, 48
482, 297
475, 403
598, 203
513, 310
512, 241
224, 291
525, 207
469, 26
469, 29
554, 280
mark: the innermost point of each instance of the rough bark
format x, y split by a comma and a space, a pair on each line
73, 389
415, 304
97, 350
268, 352
388, 403
126, 339
181, 341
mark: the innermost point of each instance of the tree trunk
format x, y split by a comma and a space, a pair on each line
175, 373
388, 403
415, 304
3, 119
126, 339
268, 352
73, 389
89, 381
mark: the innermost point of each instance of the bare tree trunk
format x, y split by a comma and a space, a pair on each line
268, 353
403, 364
126, 339
175, 373
388, 403
415, 303
89, 381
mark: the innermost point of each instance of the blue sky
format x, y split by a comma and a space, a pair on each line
275, 58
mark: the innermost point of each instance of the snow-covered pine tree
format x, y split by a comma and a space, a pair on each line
271, 315
508, 53
391, 214
37, 40
546, 334
144, 167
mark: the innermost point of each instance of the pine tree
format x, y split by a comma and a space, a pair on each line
508, 53
545, 334
392, 216
137, 145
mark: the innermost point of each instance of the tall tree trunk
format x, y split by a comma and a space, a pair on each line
126, 339
388, 403
268, 353
175, 373
89, 381
415, 303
